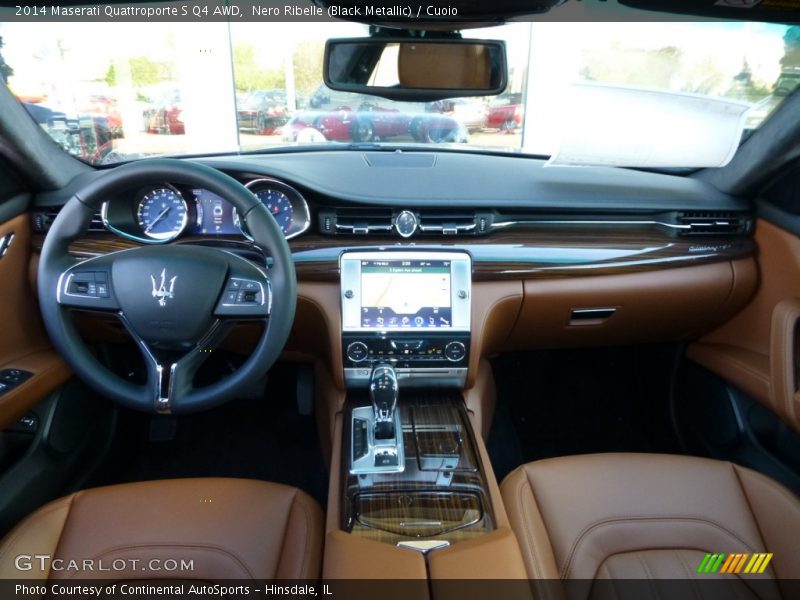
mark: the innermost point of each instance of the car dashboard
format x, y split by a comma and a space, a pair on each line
558, 257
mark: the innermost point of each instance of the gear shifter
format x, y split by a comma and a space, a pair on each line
383, 392
377, 431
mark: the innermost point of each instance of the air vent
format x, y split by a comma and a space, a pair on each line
356, 221
447, 222
43, 219
422, 222
97, 223
713, 223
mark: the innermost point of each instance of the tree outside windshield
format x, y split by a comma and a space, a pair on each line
107, 92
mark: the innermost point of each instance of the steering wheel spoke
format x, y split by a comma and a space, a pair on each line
170, 378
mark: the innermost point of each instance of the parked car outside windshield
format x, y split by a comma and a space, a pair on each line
260, 86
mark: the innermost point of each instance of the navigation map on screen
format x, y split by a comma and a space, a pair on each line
405, 294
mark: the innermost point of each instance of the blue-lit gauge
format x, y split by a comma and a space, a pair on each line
162, 214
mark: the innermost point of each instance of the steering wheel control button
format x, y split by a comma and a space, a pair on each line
357, 351
244, 297
455, 351
243, 292
88, 284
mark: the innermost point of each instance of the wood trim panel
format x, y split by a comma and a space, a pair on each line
501, 256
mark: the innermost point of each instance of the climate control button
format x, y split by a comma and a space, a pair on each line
455, 351
357, 351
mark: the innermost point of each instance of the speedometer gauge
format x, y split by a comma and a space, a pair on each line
162, 214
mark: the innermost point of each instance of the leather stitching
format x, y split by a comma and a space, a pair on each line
306, 544
526, 525
747, 501
25, 526
615, 521
648, 575
780, 490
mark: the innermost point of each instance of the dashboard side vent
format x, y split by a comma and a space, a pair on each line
41, 220
713, 223
97, 223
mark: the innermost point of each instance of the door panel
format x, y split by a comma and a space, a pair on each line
23, 342
756, 350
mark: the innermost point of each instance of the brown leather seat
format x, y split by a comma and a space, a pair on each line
647, 516
229, 528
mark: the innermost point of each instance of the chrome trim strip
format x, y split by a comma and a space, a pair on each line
502, 224
423, 546
592, 311
411, 377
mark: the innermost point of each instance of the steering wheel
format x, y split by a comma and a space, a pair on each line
177, 301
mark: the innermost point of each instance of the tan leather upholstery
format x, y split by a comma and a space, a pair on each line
646, 516
229, 528
754, 350
23, 343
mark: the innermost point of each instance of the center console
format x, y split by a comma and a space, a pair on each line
407, 309
411, 474
412, 493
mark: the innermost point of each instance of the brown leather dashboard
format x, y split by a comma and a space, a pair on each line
534, 289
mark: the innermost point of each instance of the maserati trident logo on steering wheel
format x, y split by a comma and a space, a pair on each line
160, 289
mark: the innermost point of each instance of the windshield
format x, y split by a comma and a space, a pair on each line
108, 92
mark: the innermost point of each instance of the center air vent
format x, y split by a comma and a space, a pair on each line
447, 222
356, 221
713, 223
418, 222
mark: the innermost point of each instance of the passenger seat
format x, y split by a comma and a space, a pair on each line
649, 516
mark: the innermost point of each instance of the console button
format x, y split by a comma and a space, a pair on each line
357, 351
360, 445
455, 351
407, 344
386, 459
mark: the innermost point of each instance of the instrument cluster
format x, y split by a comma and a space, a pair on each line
161, 213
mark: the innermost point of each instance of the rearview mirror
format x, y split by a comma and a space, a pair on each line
416, 70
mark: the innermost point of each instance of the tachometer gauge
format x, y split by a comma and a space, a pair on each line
162, 214
279, 205
285, 204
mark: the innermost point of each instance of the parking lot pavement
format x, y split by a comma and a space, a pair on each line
148, 143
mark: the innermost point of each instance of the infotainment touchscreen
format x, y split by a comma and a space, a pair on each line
406, 290
405, 293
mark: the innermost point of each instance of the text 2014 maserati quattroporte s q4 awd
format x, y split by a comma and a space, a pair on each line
552, 359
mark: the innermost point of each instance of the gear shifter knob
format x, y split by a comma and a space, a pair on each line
383, 392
